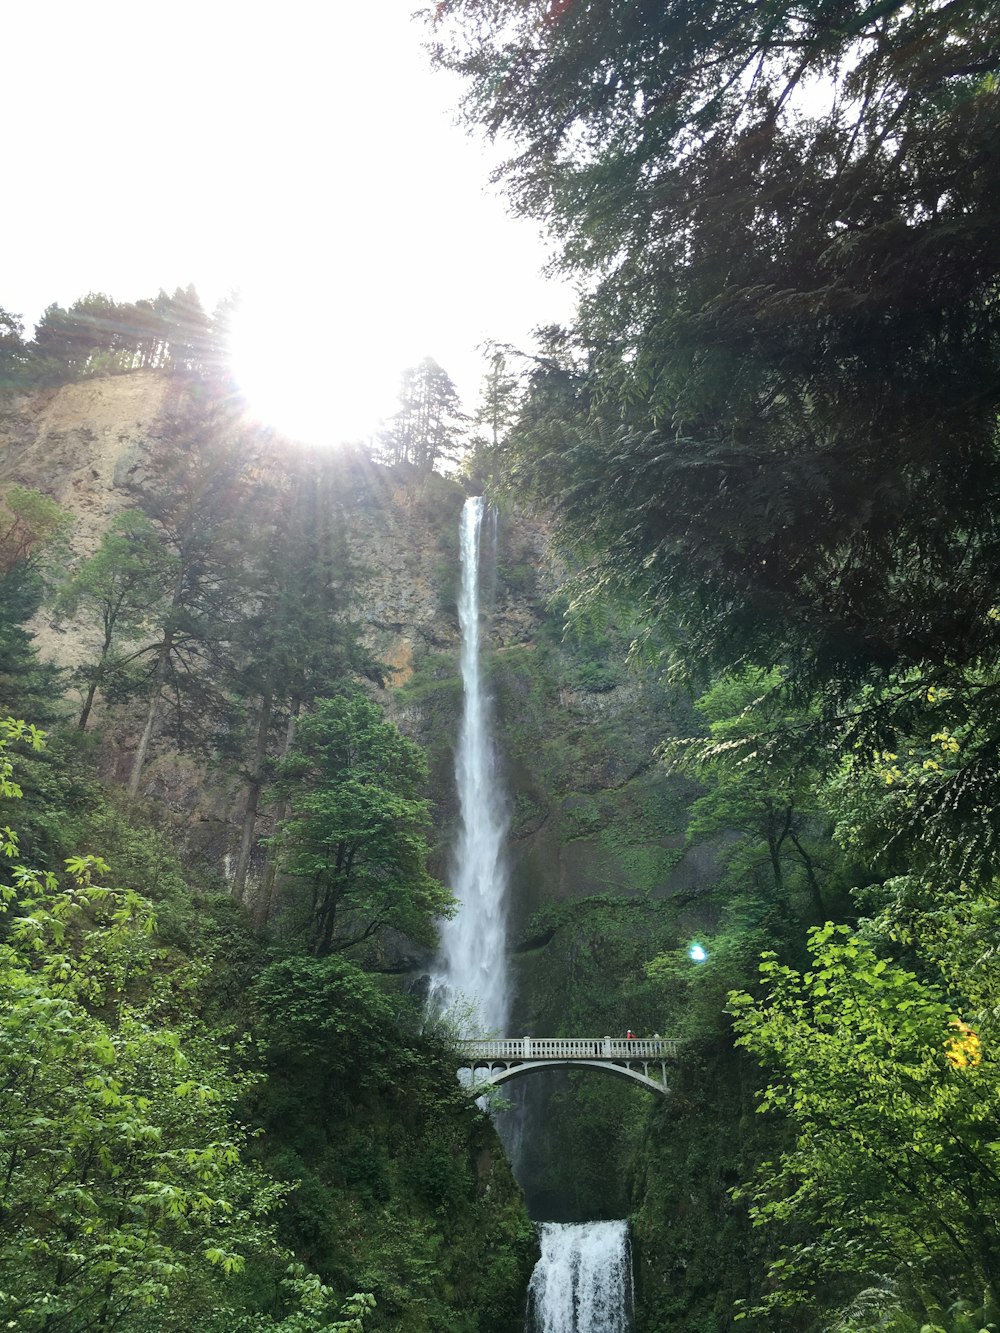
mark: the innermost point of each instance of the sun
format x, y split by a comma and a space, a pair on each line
315, 372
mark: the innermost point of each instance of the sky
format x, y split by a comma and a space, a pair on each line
301, 153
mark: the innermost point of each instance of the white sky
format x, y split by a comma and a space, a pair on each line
302, 152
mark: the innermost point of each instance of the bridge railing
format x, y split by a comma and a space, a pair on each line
568, 1048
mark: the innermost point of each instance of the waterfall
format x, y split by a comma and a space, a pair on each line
583, 1281
472, 965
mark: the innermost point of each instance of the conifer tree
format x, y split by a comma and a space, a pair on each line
295, 641
12, 349
785, 217
32, 527
355, 833
428, 426
196, 493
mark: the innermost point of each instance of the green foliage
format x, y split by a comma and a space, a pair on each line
914, 787
588, 976
692, 997
26, 684
887, 1306
293, 639
894, 1160
12, 349
497, 409
401, 1185
329, 1011
762, 783
32, 530
99, 336
356, 829
695, 1252
195, 490
124, 586
29, 522
744, 429
124, 1180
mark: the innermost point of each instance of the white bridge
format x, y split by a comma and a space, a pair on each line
641, 1059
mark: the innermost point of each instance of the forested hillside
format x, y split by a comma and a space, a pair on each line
220, 1106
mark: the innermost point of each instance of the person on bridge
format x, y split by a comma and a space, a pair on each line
629, 1035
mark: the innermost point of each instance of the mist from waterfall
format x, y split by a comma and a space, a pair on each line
471, 979
583, 1281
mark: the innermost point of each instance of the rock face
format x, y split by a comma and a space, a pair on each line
590, 813
78, 444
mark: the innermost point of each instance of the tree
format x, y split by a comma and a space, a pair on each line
120, 1162
761, 782
195, 493
294, 639
32, 527
355, 834
188, 329
12, 349
90, 335
98, 335
29, 522
127, 1197
123, 584
428, 424
786, 441
893, 1163
499, 401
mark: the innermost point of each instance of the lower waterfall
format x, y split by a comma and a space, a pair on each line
583, 1281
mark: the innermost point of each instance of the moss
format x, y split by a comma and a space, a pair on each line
405, 1192
581, 816
695, 1252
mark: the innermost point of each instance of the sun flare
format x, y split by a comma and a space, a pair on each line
325, 380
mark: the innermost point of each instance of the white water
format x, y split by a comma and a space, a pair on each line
583, 1281
471, 981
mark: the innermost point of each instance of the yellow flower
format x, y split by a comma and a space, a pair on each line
964, 1050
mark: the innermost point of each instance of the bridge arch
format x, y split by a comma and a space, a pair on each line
494, 1061
503, 1073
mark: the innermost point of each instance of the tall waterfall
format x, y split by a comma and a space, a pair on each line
472, 967
583, 1281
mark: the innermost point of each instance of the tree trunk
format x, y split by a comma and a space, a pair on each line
88, 704
159, 676
263, 912
811, 879
774, 841
253, 797
109, 632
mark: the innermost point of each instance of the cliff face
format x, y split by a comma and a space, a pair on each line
79, 444
589, 811
82, 443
